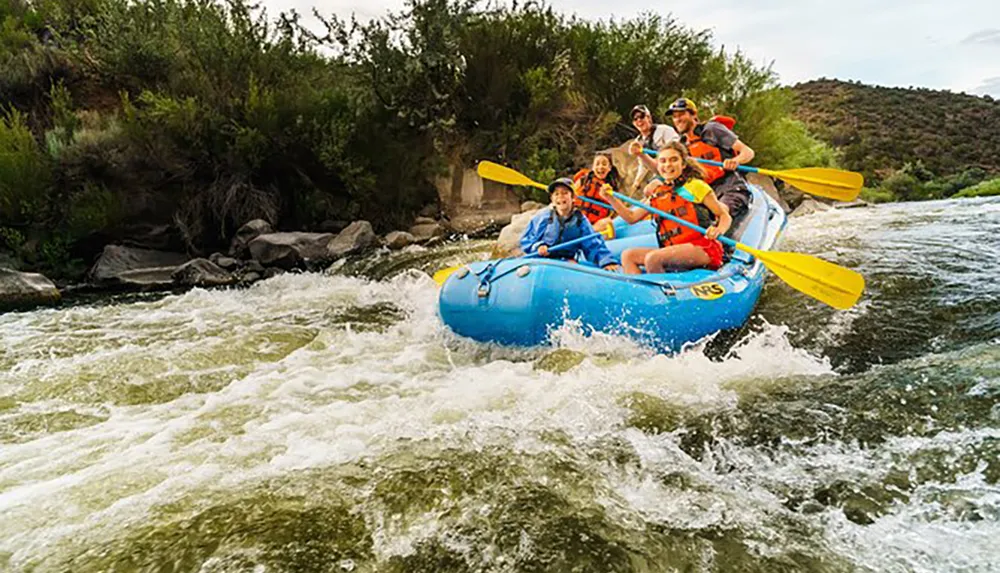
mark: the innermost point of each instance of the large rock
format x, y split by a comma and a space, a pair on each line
357, 237
767, 184
509, 242
288, 250
162, 237
426, 231
244, 235
531, 206
227, 263
790, 195
201, 272
479, 224
398, 239
117, 259
810, 206
154, 278
22, 290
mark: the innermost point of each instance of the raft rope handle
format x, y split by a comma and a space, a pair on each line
741, 270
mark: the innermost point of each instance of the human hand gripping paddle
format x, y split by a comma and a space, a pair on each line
826, 282
443, 274
820, 181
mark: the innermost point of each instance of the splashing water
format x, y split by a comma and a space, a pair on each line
329, 422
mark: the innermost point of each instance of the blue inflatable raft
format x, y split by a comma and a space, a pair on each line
520, 301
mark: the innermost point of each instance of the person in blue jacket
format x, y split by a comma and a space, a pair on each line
562, 222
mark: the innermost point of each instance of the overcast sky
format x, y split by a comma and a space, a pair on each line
922, 43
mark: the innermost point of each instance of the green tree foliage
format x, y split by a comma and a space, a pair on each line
203, 114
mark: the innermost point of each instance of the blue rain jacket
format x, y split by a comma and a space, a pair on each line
546, 228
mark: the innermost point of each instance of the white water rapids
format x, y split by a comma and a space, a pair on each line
330, 423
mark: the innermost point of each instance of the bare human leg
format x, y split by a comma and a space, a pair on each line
632, 258
682, 257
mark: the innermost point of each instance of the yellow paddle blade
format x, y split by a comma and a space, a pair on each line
501, 174
822, 181
443, 274
824, 281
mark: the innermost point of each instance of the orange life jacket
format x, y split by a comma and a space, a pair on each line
668, 232
590, 187
698, 148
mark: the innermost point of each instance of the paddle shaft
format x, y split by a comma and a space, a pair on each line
679, 221
564, 245
743, 168
594, 201
751, 169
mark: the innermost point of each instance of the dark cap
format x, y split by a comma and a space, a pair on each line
561, 182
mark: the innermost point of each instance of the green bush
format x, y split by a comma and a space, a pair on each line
876, 195
25, 173
985, 189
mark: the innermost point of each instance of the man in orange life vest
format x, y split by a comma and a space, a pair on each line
713, 140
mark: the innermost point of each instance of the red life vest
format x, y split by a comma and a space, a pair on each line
668, 232
590, 187
698, 148
724, 120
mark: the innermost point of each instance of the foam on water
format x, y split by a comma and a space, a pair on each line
350, 394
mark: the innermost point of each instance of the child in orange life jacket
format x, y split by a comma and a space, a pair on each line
683, 194
588, 183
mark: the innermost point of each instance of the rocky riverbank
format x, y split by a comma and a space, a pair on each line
258, 251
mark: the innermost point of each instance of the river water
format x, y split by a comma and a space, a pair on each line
329, 422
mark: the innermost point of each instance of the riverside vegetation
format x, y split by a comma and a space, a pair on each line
916, 144
120, 116
170, 123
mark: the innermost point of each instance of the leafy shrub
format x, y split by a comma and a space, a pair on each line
985, 189
25, 173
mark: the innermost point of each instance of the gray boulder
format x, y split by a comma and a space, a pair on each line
767, 184
117, 259
425, 231
227, 263
423, 221
509, 241
355, 238
201, 272
288, 250
479, 224
399, 239
810, 206
23, 290
247, 233
249, 277
252, 267
153, 278
531, 206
